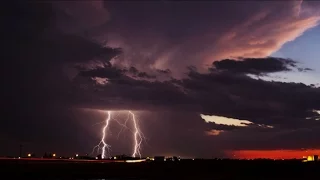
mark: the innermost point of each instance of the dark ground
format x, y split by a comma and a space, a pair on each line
197, 169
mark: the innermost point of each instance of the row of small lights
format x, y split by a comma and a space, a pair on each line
152, 159
77, 155
53, 155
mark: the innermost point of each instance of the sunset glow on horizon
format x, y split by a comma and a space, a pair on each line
272, 154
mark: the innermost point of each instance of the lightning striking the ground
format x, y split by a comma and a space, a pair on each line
138, 136
105, 147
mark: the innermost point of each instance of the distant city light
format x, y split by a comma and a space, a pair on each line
29, 155
77, 155
135, 161
54, 155
310, 158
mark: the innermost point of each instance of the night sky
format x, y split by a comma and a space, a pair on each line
205, 79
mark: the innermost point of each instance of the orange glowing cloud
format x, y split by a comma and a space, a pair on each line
272, 154
214, 132
230, 121
257, 39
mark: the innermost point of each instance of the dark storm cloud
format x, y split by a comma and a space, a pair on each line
241, 97
131, 93
136, 72
255, 66
65, 48
166, 71
36, 91
113, 73
38, 94
178, 34
284, 106
160, 36
227, 94
79, 16
106, 72
178, 133
145, 75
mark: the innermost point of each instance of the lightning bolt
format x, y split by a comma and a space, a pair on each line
138, 136
123, 125
105, 147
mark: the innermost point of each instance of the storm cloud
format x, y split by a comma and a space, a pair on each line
171, 61
257, 66
274, 108
168, 35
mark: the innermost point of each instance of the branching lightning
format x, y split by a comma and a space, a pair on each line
123, 125
138, 136
105, 147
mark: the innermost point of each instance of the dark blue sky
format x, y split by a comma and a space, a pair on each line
305, 50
